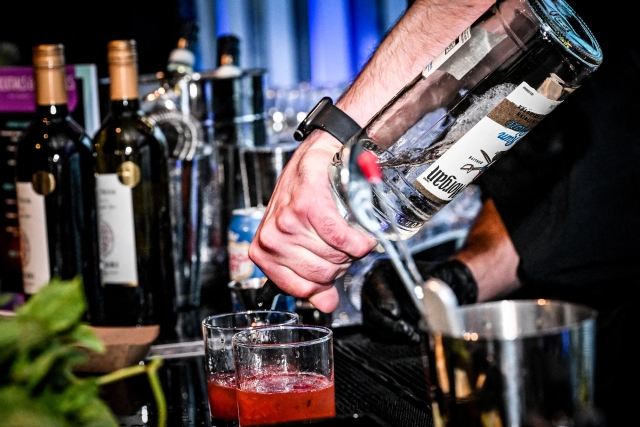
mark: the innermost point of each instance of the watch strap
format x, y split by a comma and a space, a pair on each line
329, 118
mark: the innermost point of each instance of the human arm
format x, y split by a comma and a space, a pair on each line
489, 254
303, 244
485, 268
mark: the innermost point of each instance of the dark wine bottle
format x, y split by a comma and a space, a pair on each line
133, 204
227, 57
55, 187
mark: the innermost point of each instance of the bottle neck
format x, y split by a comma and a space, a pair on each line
122, 106
50, 86
123, 81
52, 111
227, 59
180, 62
179, 69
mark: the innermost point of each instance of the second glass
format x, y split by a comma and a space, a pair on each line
284, 374
221, 381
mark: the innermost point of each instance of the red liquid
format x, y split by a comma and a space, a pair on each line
222, 396
278, 398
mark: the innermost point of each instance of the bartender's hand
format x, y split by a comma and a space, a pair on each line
303, 243
387, 310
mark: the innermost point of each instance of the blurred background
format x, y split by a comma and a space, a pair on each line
323, 42
306, 49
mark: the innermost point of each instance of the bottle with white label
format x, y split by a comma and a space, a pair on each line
469, 106
55, 186
132, 196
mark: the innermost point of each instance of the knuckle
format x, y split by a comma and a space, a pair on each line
319, 274
286, 222
306, 291
362, 250
254, 252
336, 257
267, 244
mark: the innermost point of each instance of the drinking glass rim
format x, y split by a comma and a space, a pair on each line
327, 337
294, 317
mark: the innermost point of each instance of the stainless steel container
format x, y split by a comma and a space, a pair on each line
178, 104
250, 173
250, 163
514, 363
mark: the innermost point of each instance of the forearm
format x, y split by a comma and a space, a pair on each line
490, 255
420, 35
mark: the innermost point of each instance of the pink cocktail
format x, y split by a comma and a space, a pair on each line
271, 399
222, 396
284, 374
218, 331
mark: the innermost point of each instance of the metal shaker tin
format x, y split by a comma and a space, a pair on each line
242, 228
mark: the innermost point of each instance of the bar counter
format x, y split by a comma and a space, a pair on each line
377, 384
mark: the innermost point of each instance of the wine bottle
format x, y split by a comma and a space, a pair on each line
55, 187
227, 90
133, 204
228, 57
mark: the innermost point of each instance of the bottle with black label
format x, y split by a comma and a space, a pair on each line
55, 187
133, 203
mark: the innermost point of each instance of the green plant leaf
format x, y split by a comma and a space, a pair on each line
59, 305
32, 372
9, 332
38, 348
83, 336
19, 409
33, 336
96, 414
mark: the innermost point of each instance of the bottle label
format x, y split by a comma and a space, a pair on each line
241, 232
487, 141
34, 241
118, 261
447, 53
240, 265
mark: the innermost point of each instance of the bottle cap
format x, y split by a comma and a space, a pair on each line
123, 69
121, 51
48, 56
182, 56
228, 50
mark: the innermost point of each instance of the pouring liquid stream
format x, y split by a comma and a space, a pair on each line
433, 298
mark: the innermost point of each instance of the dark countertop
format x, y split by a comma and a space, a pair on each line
385, 383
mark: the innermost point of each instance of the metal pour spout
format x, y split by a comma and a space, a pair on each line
433, 298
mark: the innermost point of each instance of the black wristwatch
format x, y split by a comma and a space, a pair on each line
329, 118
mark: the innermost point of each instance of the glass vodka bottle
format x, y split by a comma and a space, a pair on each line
472, 103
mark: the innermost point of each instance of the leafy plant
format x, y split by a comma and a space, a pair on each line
39, 347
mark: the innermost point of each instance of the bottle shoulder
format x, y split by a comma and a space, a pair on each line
60, 135
165, 97
131, 129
